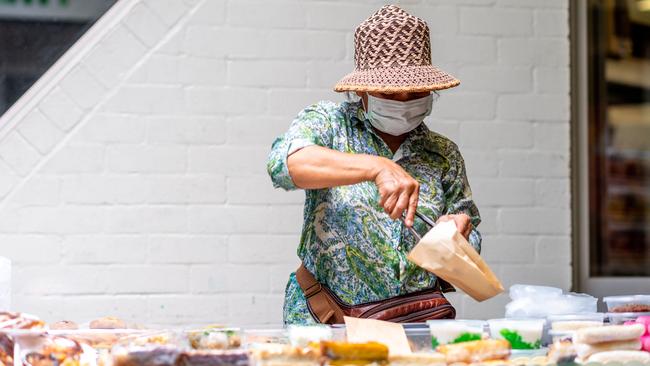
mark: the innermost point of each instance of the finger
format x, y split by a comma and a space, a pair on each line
460, 223
390, 202
413, 206
401, 205
444, 218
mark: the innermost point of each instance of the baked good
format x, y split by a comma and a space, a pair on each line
146, 356
621, 357
64, 325
10, 320
274, 354
417, 359
476, 351
214, 358
56, 351
108, 322
340, 353
6, 349
585, 350
214, 338
609, 333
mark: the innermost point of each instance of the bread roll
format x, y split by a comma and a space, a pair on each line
108, 323
621, 357
64, 325
585, 350
609, 333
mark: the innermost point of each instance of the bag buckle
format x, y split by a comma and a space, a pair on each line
313, 290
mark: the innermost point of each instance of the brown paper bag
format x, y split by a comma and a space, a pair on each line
447, 254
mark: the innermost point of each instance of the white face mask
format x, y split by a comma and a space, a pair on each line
397, 118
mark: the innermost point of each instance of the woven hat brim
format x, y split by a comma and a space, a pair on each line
397, 79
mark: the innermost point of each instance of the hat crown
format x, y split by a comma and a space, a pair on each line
391, 37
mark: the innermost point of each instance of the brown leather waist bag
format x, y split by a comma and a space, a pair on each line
419, 306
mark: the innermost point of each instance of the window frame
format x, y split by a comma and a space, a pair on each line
580, 168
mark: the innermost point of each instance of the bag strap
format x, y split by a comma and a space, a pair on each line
321, 306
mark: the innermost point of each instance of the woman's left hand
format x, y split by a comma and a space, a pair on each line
462, 221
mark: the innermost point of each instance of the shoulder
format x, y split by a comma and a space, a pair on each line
443, 146
325, 108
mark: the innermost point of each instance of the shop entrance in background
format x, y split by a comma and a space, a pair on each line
612, 145
34, 34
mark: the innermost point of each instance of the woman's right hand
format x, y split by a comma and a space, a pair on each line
398, 191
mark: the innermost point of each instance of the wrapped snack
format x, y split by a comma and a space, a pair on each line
609, 334
54, 350
271, 354
585, 350
108, 322
214, 338
573, 322
356, 353
146, 356
621, 357
417, 359
476, 351
214, 358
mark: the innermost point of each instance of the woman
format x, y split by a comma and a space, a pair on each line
366, 167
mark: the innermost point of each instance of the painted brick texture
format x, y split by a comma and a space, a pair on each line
134, 184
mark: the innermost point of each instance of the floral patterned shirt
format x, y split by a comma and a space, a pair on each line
348, 242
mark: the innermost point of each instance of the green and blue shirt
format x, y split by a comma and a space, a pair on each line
348, 242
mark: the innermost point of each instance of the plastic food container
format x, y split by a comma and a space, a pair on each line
620, 318
521, 333
419, 339
573, 322
302, 335
628, 304
447, 331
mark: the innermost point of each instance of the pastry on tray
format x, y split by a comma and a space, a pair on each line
147, 356
55, 351
275, 354
108, 322
64, 325
476, 351
342, 353
214, 358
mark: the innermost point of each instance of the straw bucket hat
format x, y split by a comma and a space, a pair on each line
392, 53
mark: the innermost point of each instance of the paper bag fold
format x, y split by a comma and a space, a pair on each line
447, 254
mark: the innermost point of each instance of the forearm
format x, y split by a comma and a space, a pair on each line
316, 167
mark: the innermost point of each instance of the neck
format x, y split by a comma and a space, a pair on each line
393, 142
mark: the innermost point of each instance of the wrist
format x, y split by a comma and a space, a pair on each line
371, 165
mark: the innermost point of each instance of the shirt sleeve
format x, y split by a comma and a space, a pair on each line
312, 126
458, 195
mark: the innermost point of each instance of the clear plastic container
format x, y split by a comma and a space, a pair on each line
214, 338
573, 322
628, 304
521, 333
419, 339
445, 331
620, 318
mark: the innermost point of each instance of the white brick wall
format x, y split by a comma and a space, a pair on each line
133, 183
